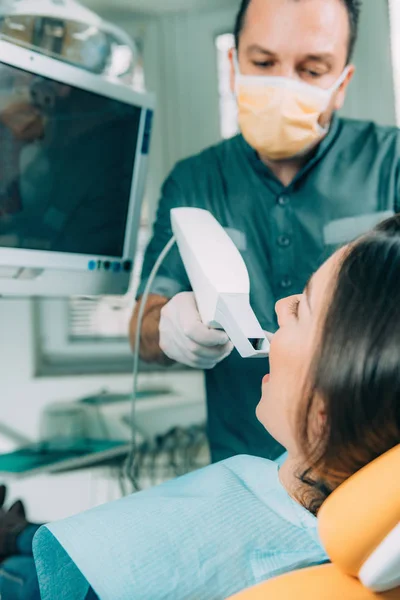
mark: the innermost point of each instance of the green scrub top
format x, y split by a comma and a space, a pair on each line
283, 233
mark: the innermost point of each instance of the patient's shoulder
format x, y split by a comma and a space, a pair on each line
246, 461
254, 470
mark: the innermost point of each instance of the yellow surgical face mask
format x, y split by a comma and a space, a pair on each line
278, 116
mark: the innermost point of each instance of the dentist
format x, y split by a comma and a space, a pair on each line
294, 184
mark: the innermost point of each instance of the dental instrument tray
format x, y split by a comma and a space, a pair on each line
55, 456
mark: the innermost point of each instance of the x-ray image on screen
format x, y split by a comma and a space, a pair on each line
66, 163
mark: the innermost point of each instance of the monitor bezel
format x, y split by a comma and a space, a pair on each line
38, 64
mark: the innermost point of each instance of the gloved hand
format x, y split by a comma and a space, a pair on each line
185, 339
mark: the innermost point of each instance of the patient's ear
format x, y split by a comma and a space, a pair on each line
317, 422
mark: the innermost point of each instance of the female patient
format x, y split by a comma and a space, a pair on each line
332, 400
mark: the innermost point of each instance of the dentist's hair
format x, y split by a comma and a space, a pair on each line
356, 371
353, 8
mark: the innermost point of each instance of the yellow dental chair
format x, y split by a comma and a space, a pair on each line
359, 526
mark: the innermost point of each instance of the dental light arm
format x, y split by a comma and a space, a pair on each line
219, 279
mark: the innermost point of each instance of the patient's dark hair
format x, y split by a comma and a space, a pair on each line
356, 371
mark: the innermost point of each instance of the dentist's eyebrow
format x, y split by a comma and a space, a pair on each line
260, 49
323, 57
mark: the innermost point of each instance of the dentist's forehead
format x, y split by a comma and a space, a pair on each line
298, 26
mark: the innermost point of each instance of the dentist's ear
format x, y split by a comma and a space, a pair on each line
338, 98
231, 56
340, 95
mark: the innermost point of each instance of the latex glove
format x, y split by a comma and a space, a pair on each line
185, 339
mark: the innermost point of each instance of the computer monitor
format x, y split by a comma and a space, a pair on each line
74, 150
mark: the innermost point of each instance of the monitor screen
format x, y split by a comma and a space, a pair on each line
66, 163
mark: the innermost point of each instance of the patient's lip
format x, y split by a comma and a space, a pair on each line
266, 378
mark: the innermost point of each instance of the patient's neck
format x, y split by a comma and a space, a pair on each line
289, 477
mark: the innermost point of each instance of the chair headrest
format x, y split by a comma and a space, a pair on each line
359, 523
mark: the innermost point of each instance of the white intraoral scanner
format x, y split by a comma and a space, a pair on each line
219, 279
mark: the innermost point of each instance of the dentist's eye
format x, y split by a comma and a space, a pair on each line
263, 64
313, 74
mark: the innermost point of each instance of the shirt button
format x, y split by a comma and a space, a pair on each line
284, 241
283, 200
286, 283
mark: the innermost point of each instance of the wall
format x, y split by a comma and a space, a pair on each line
371, 94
